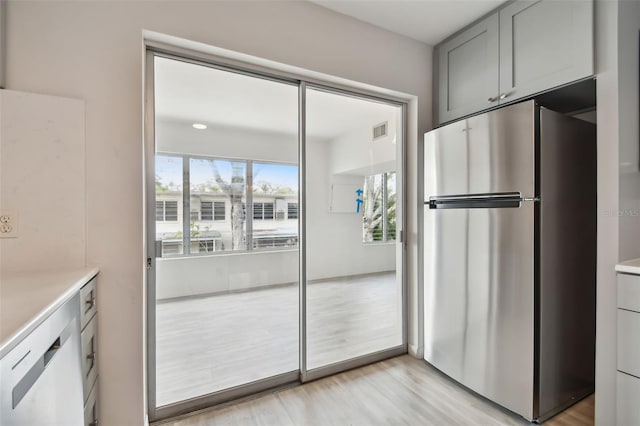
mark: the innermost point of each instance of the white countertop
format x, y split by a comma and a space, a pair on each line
629, 267
28, 298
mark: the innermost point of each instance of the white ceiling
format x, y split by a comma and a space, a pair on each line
190, 93
428, 21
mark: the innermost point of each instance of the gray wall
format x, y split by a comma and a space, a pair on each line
94, 51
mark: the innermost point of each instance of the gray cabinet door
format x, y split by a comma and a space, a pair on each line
544, 44
468, 71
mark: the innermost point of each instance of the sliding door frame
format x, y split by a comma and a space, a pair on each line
302, 234
307, 375
302, 375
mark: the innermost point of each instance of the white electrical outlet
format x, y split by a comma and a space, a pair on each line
8, 224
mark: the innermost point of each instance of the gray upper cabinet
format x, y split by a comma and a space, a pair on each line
468, 70
524, 48
544, 44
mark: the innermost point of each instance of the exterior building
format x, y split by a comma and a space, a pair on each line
274, 222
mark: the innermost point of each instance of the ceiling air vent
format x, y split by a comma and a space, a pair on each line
380, 130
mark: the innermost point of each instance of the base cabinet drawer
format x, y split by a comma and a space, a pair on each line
627, 397
629, 342
91, 411
89, 356
88, 306
629, 292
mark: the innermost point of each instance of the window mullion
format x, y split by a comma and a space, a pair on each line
186, 207
385, 203
249, 203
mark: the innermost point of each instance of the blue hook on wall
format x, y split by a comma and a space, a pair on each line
359, 201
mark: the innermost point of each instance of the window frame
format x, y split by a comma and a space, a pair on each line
247, 201
208, 216
297, 210
263, 210
216, 216
258, 210
213, 213
384, 181
164, 211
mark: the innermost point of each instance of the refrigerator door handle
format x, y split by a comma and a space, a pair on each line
470, 201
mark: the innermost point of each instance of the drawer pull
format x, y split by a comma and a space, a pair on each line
92, 358
91, 303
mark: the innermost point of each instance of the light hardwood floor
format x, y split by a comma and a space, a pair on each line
398, 391
207, 344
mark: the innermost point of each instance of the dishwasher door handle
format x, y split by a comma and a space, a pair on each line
31, 377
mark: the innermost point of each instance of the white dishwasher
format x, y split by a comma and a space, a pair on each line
41, 377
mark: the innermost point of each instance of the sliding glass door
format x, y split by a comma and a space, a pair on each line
226, 231
274, 232
354, 291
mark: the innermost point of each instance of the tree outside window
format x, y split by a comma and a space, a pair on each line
379, 209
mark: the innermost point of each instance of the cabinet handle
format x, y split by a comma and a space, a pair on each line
500, 97
91, 302
92, 358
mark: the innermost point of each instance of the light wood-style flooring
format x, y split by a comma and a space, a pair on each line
207, 344
398, 391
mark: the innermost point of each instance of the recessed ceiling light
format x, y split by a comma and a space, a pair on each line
199, 126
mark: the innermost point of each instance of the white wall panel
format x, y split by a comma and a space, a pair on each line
42, 175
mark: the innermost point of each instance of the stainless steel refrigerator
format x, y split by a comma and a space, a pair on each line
509, 257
